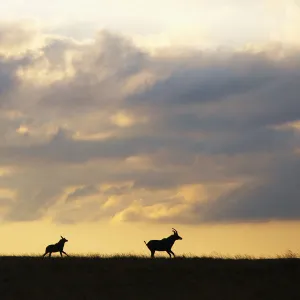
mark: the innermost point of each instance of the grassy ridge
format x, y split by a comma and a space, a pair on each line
131, 277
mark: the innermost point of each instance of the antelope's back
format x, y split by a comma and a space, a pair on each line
49, 248
158, 245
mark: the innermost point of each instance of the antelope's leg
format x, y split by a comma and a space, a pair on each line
65, 253
152, 253
172, 253
168, 251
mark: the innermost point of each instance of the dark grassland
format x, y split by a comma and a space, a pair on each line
128, 277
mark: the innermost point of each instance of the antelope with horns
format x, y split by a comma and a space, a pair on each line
164, 245
58, 247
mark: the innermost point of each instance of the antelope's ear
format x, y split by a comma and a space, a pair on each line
61, 237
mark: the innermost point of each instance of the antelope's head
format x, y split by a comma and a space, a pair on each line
176, 235
63, 239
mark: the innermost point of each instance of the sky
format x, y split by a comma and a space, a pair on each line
120, 120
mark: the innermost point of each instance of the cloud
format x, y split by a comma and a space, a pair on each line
18, 37
273, 197
134, 135
82, 192
5, 202
211, 82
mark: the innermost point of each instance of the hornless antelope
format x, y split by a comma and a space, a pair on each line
163, 245
58, 247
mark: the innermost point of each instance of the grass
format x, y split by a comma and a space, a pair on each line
138, 277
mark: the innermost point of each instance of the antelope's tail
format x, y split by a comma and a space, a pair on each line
147, 245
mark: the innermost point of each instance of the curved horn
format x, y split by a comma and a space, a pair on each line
174, 230
61, 237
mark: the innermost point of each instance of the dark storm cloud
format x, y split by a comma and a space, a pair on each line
63, 149
8, 77
273, 197
204, 85
82, 192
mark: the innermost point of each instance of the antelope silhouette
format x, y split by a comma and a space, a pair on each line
164, 245
58, 247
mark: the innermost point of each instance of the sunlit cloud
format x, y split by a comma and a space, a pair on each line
151, 126
23, 130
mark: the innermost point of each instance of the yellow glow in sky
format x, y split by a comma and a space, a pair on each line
269, 239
